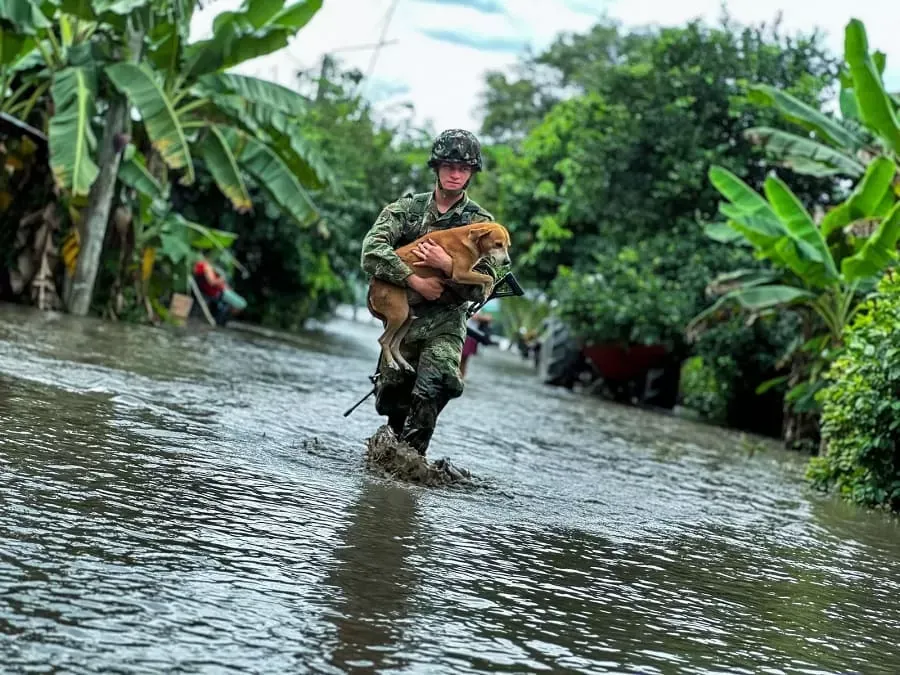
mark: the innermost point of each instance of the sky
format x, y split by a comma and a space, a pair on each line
440, 50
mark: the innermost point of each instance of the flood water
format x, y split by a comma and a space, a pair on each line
193, 501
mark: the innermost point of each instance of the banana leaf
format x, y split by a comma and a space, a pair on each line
25, 15
224, 169
242, 36
867, 198
724, 233
879, 251
799, 223
72, 140
133, 172
257, 92
796, 111
875, 106
744, 198
755, 298
271, 174
284, 135
804, 155
139, 84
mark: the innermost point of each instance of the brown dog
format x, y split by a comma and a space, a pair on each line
466, 246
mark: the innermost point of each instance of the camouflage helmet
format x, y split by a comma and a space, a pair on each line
458, 146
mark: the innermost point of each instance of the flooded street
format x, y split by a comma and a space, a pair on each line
194, 501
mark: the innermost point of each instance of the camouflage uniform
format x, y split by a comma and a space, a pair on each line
433, 345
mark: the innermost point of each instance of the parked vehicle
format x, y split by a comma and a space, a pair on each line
642, 374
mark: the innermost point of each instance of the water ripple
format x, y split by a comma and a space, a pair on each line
194, 501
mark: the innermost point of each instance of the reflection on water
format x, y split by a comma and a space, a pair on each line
375, 576
194, 501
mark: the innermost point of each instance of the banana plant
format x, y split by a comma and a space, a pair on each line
806, 271
243, 128
807, 275
824, 264
833, 147
247, 131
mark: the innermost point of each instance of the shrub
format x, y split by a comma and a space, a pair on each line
861, 407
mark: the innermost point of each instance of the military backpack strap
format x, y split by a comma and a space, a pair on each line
417, 208
468, 212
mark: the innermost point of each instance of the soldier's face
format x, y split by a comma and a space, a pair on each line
454, 176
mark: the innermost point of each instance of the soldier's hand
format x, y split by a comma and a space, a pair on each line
429, 288
433, 255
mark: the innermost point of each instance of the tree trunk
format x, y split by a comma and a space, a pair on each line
97, 214
102, 193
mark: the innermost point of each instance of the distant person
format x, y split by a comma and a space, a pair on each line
221, 299
482, 322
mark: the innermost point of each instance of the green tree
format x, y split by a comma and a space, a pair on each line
627, 156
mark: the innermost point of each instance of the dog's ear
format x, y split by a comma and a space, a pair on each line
477, 233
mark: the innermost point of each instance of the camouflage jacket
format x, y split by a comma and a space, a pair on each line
409, 218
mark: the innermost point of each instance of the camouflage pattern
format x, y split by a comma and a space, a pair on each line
413, 401
409, 218
458, 146
433, 345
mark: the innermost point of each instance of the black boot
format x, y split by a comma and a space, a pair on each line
419, 426
396, 422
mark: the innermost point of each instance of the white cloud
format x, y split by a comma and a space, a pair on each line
444, 79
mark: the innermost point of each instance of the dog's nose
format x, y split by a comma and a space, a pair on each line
507, 261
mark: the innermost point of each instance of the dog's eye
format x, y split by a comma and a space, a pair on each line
498, 245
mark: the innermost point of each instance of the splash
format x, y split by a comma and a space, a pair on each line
392, 458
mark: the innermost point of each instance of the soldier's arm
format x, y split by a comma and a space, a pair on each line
471, 293
378, 258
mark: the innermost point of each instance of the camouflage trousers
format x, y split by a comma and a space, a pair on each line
413, 401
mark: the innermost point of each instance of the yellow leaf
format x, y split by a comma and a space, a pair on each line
70, 248
147, 263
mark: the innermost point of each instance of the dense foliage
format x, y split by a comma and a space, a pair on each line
820, 264
604, 145
625, 156
645, 293
293, 274
861, 406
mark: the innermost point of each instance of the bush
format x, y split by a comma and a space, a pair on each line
641, 294
702, 391
739, 358
860, 422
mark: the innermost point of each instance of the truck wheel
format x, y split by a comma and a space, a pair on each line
559, 358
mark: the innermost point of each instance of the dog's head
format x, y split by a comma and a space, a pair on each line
492, 241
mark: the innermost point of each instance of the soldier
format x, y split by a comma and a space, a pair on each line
433, 345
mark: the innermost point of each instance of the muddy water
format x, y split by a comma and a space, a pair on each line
195, 502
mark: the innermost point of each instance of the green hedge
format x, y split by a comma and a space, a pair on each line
861, 407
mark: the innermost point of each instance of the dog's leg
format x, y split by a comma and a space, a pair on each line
471, 277
387, 355
474, 278
398, 338
390, 302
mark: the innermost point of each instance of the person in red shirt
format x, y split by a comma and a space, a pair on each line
223, 302
481, 321
209, 281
